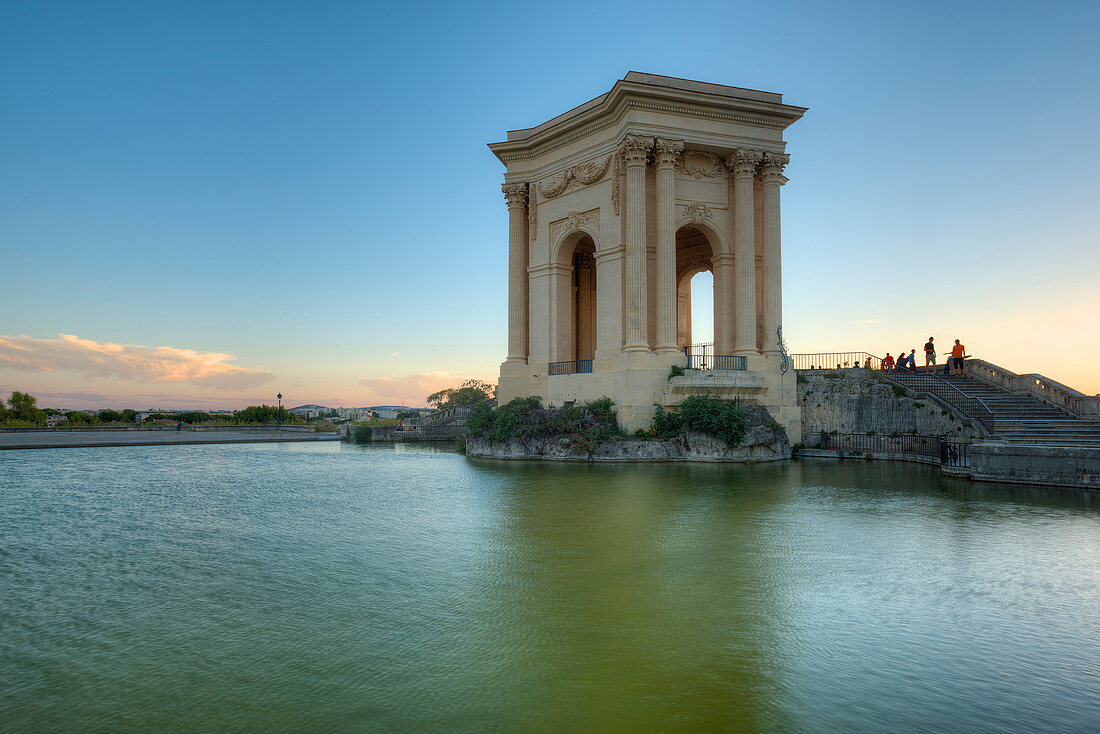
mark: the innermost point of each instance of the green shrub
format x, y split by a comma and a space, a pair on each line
802, 379
716, 417
899, 391
675, 371
665, 424
362, 434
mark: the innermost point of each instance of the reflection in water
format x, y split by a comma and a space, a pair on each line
408, 588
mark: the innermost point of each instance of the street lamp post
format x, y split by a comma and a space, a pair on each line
279, 415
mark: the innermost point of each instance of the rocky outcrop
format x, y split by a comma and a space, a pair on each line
860, 401
761, 443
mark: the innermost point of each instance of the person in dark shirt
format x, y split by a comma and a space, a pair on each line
929, 356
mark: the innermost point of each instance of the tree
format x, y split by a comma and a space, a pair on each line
470, 392
24, 407
109, 416
129, 415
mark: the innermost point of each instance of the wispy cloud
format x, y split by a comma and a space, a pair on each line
129, 361
394, 354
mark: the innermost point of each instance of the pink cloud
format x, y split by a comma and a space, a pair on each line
129, 361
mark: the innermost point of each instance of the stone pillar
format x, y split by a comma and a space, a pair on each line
516, 195
634, 151
771, 175
743, 164
665, 155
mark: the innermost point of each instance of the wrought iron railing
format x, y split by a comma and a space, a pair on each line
905, 443
577, 366
836, 361
948, 453
954, 454
702, 357
944, 390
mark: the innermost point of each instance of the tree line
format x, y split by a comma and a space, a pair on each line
22, 410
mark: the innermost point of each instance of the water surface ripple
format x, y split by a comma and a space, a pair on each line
291, 587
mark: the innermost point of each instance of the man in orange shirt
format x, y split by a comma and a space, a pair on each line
958, 355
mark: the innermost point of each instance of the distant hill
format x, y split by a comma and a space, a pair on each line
321, 408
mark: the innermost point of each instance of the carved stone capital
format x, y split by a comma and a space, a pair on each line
743, 163
515, 194
771, 169
635, 149
667, 152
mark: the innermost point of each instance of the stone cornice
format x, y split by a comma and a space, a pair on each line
626, 95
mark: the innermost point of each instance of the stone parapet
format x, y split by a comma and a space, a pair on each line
1044, 388
1061, 466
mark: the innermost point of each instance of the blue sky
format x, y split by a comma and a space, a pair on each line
303, 191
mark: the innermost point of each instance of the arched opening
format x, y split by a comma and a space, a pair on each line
695, 293
584, 299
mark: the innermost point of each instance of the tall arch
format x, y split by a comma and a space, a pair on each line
696, 252
574, 294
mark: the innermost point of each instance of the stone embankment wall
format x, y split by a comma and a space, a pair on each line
861, 401
1061, 466
760, 444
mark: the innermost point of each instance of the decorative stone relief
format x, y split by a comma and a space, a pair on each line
615, 183
698, 212
584, 261
573, 222
582, 173
532, 215
700, 164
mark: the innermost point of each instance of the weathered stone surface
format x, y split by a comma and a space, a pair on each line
760, 444
1064, 466
860, 401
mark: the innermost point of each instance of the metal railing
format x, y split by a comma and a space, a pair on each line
945, 391
576, 367
948, 453
836, 361
954, 454
905, 443
702, 357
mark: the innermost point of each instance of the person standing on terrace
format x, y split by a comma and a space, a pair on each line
930, 356
958, 356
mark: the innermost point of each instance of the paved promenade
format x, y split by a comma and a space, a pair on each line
73, 439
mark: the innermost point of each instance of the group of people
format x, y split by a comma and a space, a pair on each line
956, 360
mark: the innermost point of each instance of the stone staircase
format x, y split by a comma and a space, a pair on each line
1024, 419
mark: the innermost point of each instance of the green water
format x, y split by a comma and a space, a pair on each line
324, 587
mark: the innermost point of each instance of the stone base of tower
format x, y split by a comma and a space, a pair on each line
637, 382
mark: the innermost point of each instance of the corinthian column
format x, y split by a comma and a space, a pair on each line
743, 164
665, 154
516, 195
771, 176
634, 151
